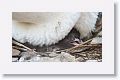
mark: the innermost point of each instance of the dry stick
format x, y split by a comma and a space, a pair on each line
27, 48
85, 48
18, 48
78, 45
80, 50
91, 45
21, 45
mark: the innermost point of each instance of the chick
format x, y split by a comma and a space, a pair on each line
46, 28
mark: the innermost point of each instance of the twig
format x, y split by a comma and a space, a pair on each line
80, 50
19, 48
91, 45
21, 45
85, 47
78, 46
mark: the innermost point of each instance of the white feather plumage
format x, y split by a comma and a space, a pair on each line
48, 28
86, 23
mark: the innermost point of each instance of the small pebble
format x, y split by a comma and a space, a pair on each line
14, 59
15, 52
80, 59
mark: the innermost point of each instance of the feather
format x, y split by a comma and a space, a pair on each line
46, 28
53, 28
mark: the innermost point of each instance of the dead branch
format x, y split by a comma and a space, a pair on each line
21, 45
78, 46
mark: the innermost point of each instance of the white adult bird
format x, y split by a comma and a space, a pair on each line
46, 28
